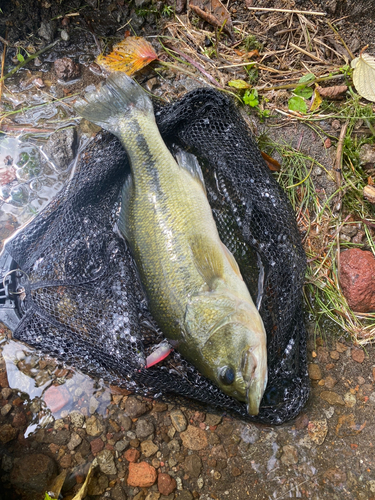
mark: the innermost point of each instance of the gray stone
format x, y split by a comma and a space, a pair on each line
212, 419
193, 465
60, 148
174, 446
75, 440
33, 472
144, 428
93, 405
290, 455
60, 437
47, 30
106, 462
117, 493
179, 421
184, 495
6, 392
134, 408
125, 422
121, 446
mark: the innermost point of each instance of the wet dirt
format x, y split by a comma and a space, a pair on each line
55, 417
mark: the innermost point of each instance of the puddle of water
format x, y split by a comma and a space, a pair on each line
28, 181
52, 389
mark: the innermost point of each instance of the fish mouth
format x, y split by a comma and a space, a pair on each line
254, 373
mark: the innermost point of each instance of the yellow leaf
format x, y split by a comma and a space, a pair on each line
316, 100
364, 76
239, 84
129, 56
83, 491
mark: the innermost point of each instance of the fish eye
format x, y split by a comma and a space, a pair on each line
227, 375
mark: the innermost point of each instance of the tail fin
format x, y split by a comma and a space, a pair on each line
120, 95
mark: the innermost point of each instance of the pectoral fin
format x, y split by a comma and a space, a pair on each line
208, 258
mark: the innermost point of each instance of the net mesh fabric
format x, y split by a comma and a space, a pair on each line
84, 303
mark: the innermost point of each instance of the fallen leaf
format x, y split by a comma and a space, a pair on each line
58, 484
335, 92
369, 193
129, 56
364, 76
214, 12
83, 491
316, 100
239, 84
272, 164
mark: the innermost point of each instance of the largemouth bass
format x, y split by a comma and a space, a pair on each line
193, 284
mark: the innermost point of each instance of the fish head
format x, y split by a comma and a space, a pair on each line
237, 356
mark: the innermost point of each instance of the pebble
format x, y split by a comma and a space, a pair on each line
179, 421
358, 355
317, 430
6, 409
184, 495
66, 68
193, 465
166, 484
194, 438
149, 448
6, 392
350, 400
93, 405
144, 428
7, 433
212, 419
33, 472
56, 397
121, 446
152, 495
75, 440
330, 382
132, 455
332, 398
60, 147
106, 462
314, 371
94, 427
290, 455
334, 355
200, 482
142, 475
77, 419
134, 408
96, 445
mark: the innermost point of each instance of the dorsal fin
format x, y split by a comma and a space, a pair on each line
232, 261
190, 163
127, 192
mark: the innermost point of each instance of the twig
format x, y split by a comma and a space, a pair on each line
341, 40
293, 85
3, 40
288, 11
306, 53
338, 161
197, 66
2, 69
26, 61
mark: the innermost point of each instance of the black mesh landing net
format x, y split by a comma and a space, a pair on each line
83, 302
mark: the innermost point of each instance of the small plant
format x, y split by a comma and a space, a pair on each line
251, 43
250, 98
167, 11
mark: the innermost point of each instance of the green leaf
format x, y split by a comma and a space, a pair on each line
297, 103
239, 84
303, 91
309, 77
20, 57
47, 497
